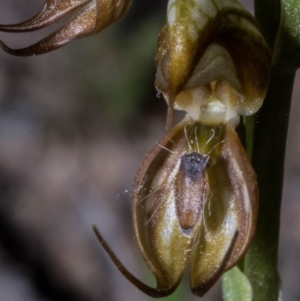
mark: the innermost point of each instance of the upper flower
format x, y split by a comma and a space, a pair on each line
89, 17
212, 50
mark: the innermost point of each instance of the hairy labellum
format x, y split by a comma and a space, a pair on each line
191, 189
194, 203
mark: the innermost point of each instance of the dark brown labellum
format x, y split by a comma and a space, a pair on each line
191, 189
194, 164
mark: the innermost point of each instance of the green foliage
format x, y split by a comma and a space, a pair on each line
236, 286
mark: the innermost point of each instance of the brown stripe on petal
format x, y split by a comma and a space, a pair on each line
244, 183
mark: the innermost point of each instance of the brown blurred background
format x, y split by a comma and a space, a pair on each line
74, 126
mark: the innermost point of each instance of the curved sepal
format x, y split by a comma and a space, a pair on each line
92, 16
52, 11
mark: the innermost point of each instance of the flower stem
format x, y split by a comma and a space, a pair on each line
267, 13
269, 141
268, 161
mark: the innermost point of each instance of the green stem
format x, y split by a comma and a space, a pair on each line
267, 12
268, 161
266, 140
249, 122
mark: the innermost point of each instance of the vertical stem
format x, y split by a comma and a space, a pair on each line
269, 142
265, 145
249, 122
267, 12
268, 161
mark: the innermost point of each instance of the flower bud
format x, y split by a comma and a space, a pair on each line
91, 16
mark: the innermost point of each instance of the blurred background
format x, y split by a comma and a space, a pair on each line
74, 126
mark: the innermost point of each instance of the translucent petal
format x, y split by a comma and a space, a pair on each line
230, 216
194, 201
164, 245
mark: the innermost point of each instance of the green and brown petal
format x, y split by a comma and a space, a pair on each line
223, 195
194, 203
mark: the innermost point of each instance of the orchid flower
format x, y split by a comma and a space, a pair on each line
195, 197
